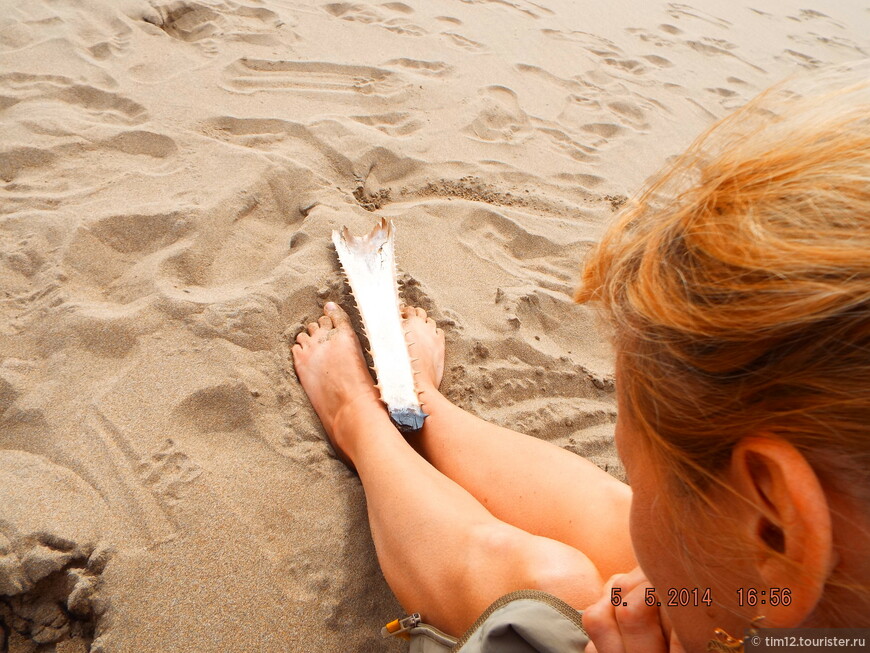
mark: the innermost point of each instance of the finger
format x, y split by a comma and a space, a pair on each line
599, 622
625, 580
622, 582
312, 327
325, 321
639, 623
337, 315
599, 619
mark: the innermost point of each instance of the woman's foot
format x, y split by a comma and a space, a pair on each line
330, 365
426, 346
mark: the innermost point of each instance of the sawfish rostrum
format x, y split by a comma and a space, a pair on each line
369, 262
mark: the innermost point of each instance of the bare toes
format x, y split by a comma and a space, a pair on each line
312, 327
325, 321
339, 318
421, 313
302, 337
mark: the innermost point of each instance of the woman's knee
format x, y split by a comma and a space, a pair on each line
510, 559
563, 571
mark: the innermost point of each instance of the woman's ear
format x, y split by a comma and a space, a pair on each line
787, 521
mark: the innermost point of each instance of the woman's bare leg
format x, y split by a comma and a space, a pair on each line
530, 483
442, 553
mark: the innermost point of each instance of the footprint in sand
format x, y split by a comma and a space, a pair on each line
606, 130
729, 98
805, 15
113, 252
592, 43
100, 29
679, 11
360, 13
77, 123
180, 258
549, 78
706, 45
586, 121
95, 103
248, 236
803, 60
601, 48
167, 471
654, 38
500, 117
659, 61
528, 9
194, 22
463, 42
422, 67
836, 43
396, 123
508, 388
249, 321
358, 83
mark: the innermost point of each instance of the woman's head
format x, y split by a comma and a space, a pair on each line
738, 290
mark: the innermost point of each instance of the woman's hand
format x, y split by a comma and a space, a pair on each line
633, 628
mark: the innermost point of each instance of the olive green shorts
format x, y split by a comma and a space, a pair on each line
527, 621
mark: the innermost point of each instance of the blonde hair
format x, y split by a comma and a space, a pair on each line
738, 290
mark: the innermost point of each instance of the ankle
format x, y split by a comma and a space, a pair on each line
355, 415
430, 397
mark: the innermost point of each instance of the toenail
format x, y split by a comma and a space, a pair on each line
330, 306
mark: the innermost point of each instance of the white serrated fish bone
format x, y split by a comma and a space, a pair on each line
370, 265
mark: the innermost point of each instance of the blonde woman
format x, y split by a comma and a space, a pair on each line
737, 290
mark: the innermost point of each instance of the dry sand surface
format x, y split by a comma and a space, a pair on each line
170, 173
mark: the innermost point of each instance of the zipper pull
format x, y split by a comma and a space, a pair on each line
400, 627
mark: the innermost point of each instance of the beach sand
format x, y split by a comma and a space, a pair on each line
170, 174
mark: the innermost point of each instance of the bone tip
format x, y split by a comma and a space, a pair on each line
408, 420
384, 227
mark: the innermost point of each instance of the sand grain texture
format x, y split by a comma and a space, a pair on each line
170, 173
